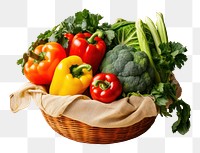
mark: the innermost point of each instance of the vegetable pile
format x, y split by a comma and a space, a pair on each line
110, 62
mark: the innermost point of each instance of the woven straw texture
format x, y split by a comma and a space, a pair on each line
81, 132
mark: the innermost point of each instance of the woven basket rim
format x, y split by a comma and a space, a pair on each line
81, 132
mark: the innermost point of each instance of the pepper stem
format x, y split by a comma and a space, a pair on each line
104, 85
78, 71
35, 56
98, 33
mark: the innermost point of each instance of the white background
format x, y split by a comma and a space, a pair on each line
28, 132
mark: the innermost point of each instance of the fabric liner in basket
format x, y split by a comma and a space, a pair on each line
120, 113
128, 117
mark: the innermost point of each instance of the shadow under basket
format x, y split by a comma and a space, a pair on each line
84, 133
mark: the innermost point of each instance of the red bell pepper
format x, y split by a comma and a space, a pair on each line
91, 48
70, 37
41, 63
105, 87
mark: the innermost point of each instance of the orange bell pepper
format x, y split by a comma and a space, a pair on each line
41, 63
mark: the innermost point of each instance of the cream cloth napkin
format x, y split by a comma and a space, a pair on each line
120, 113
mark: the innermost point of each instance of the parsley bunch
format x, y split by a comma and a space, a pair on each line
165, 57
82, 21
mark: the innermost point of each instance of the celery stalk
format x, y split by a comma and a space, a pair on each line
161, 28
154, 33
144, 46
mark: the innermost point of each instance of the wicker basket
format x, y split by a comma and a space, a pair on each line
81, 132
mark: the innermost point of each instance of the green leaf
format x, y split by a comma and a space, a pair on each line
182, 125
160, 95
64, 42
164, 111
22, 61
19, 61
178, 51
95, 19
53, 38
162, 101
109, 36
162, 92
173, 54
82, 21
86, 21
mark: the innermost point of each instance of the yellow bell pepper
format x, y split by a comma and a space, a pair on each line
71, 77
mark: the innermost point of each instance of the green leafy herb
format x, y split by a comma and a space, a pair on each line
162, 93
165, 57
174, 53
82, 21
172, 56
182, 125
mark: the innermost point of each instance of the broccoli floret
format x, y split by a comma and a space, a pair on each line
131, 67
